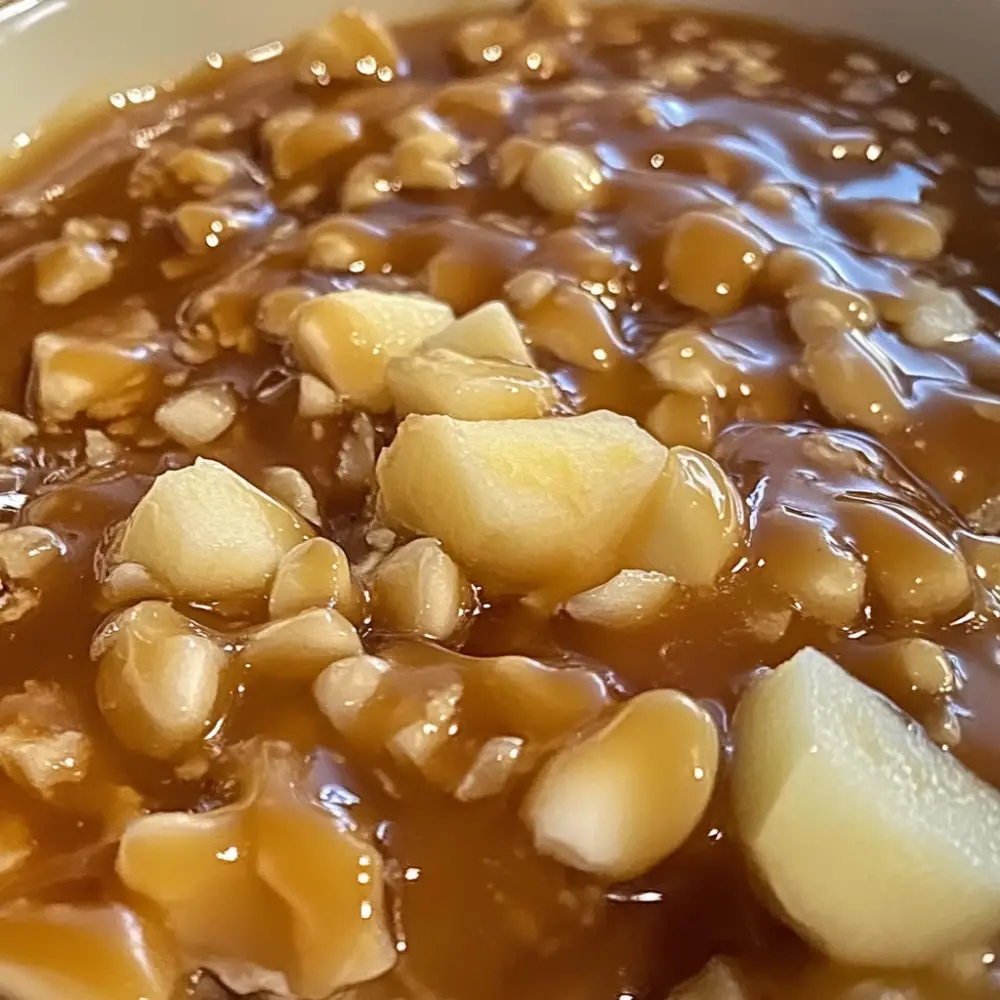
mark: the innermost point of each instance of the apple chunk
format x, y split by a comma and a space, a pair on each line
348, 338
206, 534
880, 848
521, 504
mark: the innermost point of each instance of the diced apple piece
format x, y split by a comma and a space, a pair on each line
543, 704
42, 742
494, 766
717, 981
418, 741
207, 534
345, 687
347, 42
693, 524
158, 678
420, 589
15, 431
199, 415
563, 179
71, 268
858, 382
26, 551
315, 574
447, 382
631, 598
825, 580
569, 322
521, 504
303, 645
490, 331
879, 847
348, 338
277, 893
316, 399
922, 665
916, 568
621, 801
104, 378
300, 138
85, 952
290, 487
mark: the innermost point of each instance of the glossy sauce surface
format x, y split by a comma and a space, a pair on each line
786, 142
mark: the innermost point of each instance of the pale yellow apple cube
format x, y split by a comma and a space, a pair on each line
348, 338
206, 534
879, 847
522, 504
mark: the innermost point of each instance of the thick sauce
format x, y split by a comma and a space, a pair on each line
829, 178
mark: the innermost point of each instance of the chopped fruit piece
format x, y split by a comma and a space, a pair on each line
351, 46
42, 744
301, 646
494, 766
910, 232
624, 799
345, 687
924, 666
278, 894
99, 449
879, 847
198, 416
678, 418
818, 310
348, 338
631, 598
103, 378
428, 161
368, 182
918, 571
419, 589
317, 399
203, 171
711, 262
345, 243
27, 551
129, 582
563, 179
70, 269
467, 724
934, 317
491, 331
521, 504
857, 382
289, 486
315, 574
276, 309
483, 42
690, 360
575, 326
206, 534
15, 430
693, 524
717, 981
823, 578
452, 384
158, 679
85, 952
299, 139
419, 741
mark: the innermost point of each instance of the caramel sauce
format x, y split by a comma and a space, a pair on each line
790, 137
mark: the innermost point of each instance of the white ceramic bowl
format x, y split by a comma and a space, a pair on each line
54, 52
